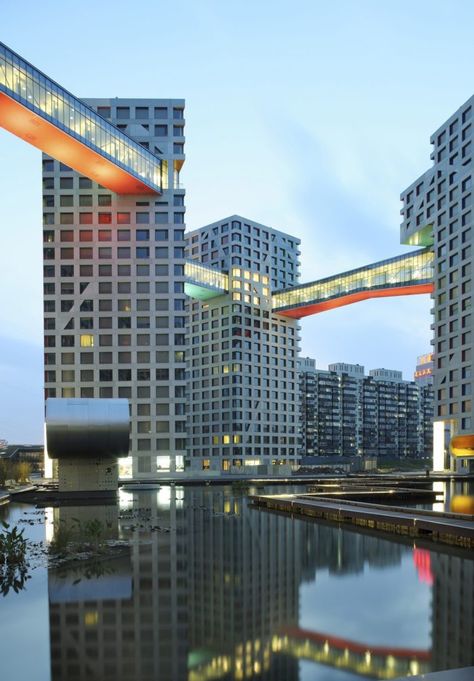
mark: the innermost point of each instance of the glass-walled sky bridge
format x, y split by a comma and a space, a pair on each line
403, 275
41, 112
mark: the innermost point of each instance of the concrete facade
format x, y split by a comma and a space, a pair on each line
114, 304
438, 210
243, 397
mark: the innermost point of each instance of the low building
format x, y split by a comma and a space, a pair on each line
32, 454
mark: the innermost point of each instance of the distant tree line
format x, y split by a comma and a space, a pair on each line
14, 471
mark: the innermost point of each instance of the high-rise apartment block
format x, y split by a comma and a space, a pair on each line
238, 241
438, 211
114, 303
345, 412
243, 394
307, 415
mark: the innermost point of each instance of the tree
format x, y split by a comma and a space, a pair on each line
4, 472
23, 471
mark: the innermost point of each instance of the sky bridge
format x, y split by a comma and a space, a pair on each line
402, 275
44, 114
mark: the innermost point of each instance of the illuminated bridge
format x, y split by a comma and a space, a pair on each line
253, 657
41, 112
403, 275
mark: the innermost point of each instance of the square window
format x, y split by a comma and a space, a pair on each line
123, 112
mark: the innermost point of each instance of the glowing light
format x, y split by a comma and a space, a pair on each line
87, 340
48, 463
438, 445
462, 446
462, 503
422, 560
91, 618
163, 497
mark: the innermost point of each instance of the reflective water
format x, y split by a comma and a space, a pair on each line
207, 587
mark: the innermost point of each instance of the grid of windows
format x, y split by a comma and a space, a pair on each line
248, 244
438, 206
243, 381
114, 295
346, 413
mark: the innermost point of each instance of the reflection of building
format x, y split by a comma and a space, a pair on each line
212, 591
124, 619
243, 392
343, 552
452, 619
244, 583
345, 412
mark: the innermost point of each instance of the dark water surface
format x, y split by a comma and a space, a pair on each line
208, 588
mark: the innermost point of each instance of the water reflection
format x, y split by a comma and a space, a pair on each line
212, 589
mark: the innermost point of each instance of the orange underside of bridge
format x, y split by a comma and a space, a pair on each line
37, 131
462, 445
306, 310
355, 646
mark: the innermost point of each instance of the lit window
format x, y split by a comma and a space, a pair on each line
87, 340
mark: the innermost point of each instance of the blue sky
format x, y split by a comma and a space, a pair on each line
309, 116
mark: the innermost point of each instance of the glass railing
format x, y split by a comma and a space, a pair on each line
206, 276
24, 83
411, 269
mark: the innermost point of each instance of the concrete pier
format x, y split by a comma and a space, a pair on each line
446, 528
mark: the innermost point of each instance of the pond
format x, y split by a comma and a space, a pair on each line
198, 585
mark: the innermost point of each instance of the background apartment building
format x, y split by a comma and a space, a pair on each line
243, 392
438, 211
345, 412
114, 303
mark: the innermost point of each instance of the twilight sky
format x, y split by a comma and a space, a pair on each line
307, 116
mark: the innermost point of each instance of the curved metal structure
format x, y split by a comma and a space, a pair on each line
87, 428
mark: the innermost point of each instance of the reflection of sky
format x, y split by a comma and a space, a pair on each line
316, 672
388, 606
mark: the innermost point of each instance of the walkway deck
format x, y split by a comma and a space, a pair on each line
446, 528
